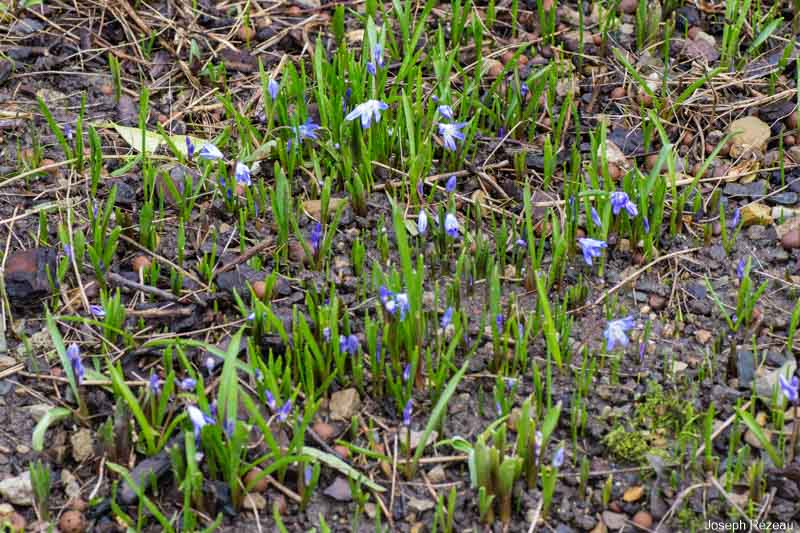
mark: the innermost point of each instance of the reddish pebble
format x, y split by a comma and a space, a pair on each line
643, 519
618, 92
251, 476
260, 289
325, 431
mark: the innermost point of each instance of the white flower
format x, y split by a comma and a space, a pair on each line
242, 174
422, 222
451, 225
369, 110
209, 152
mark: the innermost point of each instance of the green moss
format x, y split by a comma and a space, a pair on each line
661, 410
627, 445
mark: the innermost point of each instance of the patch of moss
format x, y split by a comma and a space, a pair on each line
664, 410
627, 445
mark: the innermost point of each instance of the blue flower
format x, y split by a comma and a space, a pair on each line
790, 388
228, 426
596, 218
451, 226
450, 185
740, 268
187, 384
403, 304
367, 112
67, 131
615, 332
154, 384
523, 90
68, 251
446, 111
447, 317
242, 174
209, 152
537, 443
211, 364
737, 216
451, 132
316, 237
522, 243
307, 130
284, 411
271, 403
407, 413
500, 321
558, 458
394, 302
620, 201
308, 474
407, 372
509, 382
422, 222
74, 356
346, 99
591, 248
377, 54
646, 225
199, 420
273, 87
97, 311
189, 148
349, 344
326, 334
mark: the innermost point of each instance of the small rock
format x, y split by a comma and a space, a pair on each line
339, 490
344, 404
745, 367
702, 336
791, 240
251, 477
416, 438
628, 6
752, 440
420, 505
254, 501
643, 519
657, 302
26, 277
679, 366
750, 135
325, 431
82, 445
768, 383
633, 494
72, 522
314, 207
756, 213
437, 474
18, 490
614, 521
614, 155
785, 198
785, 213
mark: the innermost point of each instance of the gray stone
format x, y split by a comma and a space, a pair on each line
18, 490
